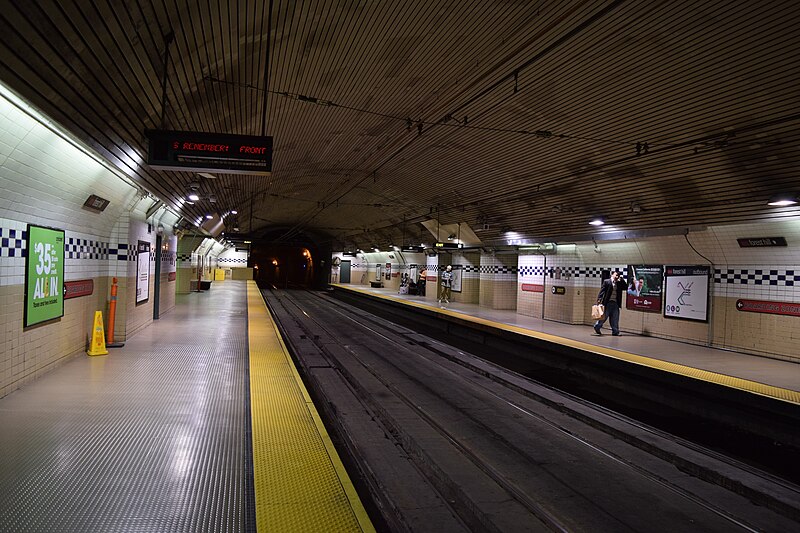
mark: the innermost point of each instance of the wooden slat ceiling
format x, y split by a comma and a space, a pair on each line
520, 114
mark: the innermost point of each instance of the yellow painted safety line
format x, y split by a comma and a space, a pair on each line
300, 482
754, 387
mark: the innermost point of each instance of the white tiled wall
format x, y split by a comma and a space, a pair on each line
770, 273
45, 180
469, 263
498, 281
530, 285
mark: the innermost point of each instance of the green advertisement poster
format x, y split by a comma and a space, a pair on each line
44, 275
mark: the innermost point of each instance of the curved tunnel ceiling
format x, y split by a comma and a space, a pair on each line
521, 116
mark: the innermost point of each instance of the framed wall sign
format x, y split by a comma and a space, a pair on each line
457, 277
645, 287
44, 275
142, 272
686, 292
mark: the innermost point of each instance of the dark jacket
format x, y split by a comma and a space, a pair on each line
605, 291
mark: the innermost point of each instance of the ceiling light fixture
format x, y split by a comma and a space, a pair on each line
234, 212
209, 217
597, 221
783, 199
193, 196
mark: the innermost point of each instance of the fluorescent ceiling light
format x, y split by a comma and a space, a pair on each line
783, 199
597, 221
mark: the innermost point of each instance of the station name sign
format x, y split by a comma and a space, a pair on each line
759, 242
209, 152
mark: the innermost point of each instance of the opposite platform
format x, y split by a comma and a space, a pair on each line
758, 375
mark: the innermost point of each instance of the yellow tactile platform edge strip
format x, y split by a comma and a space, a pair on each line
754, 387
300, 482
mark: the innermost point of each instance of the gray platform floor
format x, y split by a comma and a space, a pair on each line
148, 438
778, 373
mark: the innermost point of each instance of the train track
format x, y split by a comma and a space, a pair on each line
509, 454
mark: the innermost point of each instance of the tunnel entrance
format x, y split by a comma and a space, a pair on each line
283, 266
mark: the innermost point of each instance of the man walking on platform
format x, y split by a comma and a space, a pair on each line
611, 297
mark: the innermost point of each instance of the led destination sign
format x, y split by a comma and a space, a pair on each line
209, 152
449, 245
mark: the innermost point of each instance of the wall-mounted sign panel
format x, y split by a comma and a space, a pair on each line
686, 292
771, 308
558, 289
645, 287
44, 275
142, 272
76, 289
209, 152
458, 274
532, 287
95, 203
759, 242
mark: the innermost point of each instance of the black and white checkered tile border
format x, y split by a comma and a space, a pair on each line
569, 271
168, 256
463, 268
785, 278
232, 260
13, 242
184, 257
76, 248
531, 270
498, 269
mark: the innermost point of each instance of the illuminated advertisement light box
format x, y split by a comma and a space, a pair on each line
44, 275
142, 272
209, 152
686, 290
645, 288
